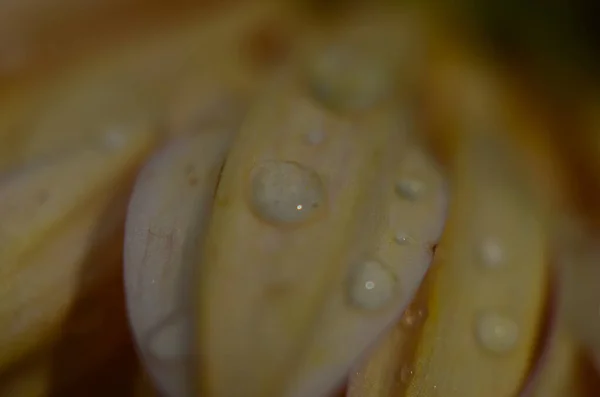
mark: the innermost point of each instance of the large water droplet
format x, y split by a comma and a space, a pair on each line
286, 192
496, 333
371, 285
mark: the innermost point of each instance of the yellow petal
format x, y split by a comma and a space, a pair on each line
61, 234
412, 216
387, 369
94, 336
36, 198
488, 296
298, 211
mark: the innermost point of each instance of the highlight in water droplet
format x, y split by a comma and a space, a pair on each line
371, 285
285, 192
406, 373
402, 238
496, 333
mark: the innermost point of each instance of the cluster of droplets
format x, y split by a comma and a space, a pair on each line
288, 193
413, 317
496, 332
372, 284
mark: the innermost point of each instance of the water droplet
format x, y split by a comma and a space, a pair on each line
114, 138
497, 333
491, 253
402, 238
286, 192
406, 373
409, 189
315, 137
169, 342
371, 285
412, 317
342, 78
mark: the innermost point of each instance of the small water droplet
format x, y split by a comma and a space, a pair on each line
412, 317
406, 373
114, 138
491, 253
286, 192
43, 196
409, 189
402, 238
343, 78
371, 285
315, 137
169, 341
496, 333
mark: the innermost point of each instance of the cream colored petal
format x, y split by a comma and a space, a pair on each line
167, 215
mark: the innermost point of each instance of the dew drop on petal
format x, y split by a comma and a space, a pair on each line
114, 138
371, 285
285, 192
406, 373
496, 333
169, 341
491, 253
343, 78
402, 238
409, 189
315, 137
